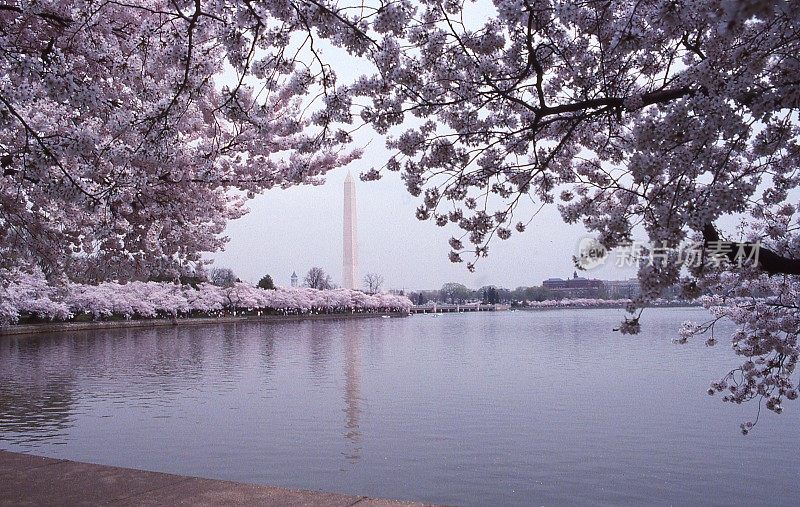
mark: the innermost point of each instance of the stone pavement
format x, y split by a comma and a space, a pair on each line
26, 479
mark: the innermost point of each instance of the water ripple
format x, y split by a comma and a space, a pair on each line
507, 408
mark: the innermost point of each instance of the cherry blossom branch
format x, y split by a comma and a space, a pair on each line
46, 149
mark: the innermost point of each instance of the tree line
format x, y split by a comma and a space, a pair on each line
458, 293
315, 278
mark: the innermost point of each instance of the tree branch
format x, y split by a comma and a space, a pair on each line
647, 99
767, 260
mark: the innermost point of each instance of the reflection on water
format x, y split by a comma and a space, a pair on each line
352, 390
478, 409
37, 411
33, 404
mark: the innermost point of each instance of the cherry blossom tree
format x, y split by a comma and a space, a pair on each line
580, 303
29, 295
131, 131
205, 298
655, 117
222, 277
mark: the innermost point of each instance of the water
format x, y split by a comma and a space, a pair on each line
505, 408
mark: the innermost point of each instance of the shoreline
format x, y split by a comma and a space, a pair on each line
20, 330
599, 307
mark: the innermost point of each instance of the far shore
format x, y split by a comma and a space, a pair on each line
18, 330
31, 329
603, 307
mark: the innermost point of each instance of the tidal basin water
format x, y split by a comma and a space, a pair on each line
546, 407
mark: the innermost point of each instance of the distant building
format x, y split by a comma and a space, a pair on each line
294, 279
622, 289
575, 287
579, 287
629, 289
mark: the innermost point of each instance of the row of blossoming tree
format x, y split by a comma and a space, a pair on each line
600, 303
30, 296
577, 303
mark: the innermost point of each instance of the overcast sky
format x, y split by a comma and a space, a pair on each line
297, 228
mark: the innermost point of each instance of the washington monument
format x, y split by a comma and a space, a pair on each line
350, 258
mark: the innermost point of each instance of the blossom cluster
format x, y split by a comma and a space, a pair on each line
628, 113
590, 303
29, 295
577, 303
766, 313
659, 116
130, 132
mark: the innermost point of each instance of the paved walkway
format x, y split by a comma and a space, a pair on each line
34, 480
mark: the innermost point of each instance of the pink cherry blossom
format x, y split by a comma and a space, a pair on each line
30, 296
121, 139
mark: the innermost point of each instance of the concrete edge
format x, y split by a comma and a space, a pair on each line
18, 330
31, 479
